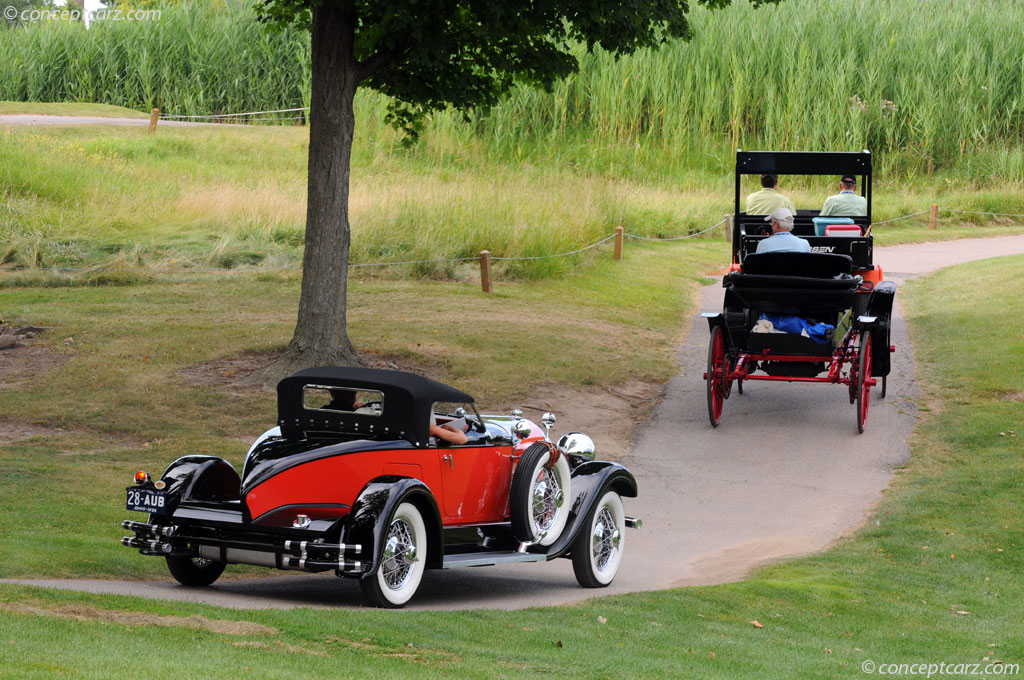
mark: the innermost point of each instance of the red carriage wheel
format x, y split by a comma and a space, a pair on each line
854, 368
864, 380
716, 375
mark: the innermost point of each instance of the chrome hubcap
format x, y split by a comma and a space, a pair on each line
606, 539
547, 499
399, 554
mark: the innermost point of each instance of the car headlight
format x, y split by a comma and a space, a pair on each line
577, 443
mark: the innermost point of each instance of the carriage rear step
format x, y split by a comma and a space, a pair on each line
486, 559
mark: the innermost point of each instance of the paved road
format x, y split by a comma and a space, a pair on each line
37, 119
785, 474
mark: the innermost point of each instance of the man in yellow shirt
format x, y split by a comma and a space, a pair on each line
767, 200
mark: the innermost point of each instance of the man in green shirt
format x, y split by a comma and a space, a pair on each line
846, 203
767, 200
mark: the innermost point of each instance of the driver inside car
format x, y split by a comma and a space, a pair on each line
446, 432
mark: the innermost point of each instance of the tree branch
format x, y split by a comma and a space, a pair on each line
382, 59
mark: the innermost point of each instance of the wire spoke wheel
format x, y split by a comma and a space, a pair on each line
717, 376
194, 570
537, 502
402, 558
597, 548
864, 380
604, 539
547, 498
397, 547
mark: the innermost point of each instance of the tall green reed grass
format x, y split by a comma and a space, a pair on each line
925, 85
197, 58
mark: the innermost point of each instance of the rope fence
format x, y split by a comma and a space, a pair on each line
678, 238
485, 258
219, 116
240, 117
901, 217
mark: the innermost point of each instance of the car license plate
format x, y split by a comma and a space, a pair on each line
146, 500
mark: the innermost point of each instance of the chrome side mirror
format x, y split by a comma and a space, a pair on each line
548, 419
577, 443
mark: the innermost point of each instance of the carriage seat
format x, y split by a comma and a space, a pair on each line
809, 265
809, 285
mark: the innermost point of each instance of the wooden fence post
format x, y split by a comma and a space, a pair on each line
618, 242
485, 270
934, 222
153, 118
728, 227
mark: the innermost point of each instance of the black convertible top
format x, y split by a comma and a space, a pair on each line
408, 400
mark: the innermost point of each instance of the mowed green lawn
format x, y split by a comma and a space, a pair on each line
125, 399
933, 577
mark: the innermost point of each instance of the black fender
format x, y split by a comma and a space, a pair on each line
200, 478
733, 323
714, 319
590, 481
880, 307
368, 521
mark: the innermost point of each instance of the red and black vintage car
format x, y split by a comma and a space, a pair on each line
352, 481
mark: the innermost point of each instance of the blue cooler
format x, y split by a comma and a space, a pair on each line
821, 222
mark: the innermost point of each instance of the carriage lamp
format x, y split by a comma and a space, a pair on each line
141, 477
548, 419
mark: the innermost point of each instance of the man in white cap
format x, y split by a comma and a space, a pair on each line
782, 238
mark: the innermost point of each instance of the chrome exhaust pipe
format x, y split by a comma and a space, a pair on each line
634, 523
152, 546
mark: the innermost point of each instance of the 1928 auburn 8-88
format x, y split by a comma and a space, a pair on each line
837, 284
351, 481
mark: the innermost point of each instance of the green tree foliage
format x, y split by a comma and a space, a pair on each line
426, 55
435, 54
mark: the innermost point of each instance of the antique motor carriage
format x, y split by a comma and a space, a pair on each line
836, 285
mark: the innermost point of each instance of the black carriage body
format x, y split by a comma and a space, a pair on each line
749, 230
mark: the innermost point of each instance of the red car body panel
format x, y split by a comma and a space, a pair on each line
470, 482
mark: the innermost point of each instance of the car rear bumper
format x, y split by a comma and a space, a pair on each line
238, 546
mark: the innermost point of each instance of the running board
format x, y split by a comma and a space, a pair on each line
485, 559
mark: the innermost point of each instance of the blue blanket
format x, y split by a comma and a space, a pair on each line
794, 324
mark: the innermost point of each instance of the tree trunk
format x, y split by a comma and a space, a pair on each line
321, 336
